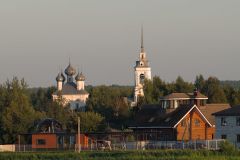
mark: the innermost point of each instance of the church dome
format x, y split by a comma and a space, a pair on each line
80, 77
70, 71
60, 78
63, 76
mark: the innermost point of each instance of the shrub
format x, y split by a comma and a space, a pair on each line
228, 148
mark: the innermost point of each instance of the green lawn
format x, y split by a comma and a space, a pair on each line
123, 155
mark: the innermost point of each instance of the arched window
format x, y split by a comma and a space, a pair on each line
142, 78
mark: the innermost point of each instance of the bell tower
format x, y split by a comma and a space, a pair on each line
142, 72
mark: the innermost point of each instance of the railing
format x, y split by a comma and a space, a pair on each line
134, 145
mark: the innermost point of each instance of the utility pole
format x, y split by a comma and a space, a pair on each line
79, 145
19, 143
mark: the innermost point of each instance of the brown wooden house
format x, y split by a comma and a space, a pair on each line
179, 116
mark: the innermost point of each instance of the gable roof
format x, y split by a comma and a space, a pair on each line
70, 88
209, 109
233, 111
184, 96
176, 96
153, 116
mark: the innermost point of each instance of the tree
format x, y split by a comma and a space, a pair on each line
103, 100
214, 91
18, 116
90, 121
199, 82
233, 96
148, 91
182, 86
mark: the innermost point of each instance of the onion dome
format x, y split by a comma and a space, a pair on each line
60, 78
70, 71
80, 77
63, 76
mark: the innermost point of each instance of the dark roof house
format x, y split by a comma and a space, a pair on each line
233, 111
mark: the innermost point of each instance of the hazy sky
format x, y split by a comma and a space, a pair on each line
181, 37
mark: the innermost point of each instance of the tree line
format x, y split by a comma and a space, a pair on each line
211, 87
22, 108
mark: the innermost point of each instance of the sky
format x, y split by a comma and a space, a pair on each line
102, 39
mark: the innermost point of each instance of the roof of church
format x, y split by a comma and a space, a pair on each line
70, 71
60, 77
70, 88
80, 77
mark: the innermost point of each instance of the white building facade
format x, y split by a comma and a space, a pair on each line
228, 125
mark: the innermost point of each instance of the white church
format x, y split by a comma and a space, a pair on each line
142, 72
72, 92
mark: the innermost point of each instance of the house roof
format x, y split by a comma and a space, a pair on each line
209, 109
153, 116
233, 111
176, 96
70, 88
198, 95
184, 96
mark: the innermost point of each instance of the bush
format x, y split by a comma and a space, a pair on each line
228, 148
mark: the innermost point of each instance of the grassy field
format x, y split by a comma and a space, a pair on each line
124, 155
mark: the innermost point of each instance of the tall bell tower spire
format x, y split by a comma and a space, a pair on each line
142, 46
142, 72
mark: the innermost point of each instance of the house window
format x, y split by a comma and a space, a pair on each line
183, 123
238, 138
41, 141
237, 121
197, 122
224, 136
223, 121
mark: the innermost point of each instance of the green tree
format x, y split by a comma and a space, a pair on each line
59, 112
148, 92
182, 86
214, 91
103, 100
18, 115
233, 96
199, 82
90, 121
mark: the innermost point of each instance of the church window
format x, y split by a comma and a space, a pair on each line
142, 78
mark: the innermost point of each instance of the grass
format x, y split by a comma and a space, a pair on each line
123, 155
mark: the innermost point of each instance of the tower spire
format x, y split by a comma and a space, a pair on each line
142, 47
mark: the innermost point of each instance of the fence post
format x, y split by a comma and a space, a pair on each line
195, 145
216, 145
